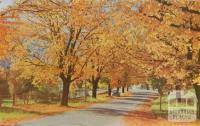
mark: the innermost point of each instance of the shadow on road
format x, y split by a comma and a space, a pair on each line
108, 111
123, 105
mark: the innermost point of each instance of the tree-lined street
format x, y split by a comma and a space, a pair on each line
58, 56
104, 114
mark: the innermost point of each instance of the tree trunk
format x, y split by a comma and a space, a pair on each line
27, 102
123, 89
0, 101
197, 91
178, 93
118, 89
127, 89
65, 92
14, 99
24, 98
198, 61
85, 91
109, 90
147, 86
95, 82
94, 90
160, 102
198, 110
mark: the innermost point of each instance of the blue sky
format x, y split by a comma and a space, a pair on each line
5, 3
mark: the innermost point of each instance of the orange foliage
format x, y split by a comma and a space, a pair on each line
4, 30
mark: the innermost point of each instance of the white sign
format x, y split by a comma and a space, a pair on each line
182, 106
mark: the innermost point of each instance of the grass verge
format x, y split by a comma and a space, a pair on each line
12, 113
22, 112
155, 108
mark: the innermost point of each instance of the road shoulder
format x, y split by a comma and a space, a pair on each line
143, 116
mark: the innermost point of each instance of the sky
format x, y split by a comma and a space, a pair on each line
5, 3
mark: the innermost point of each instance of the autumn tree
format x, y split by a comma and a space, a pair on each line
64, 28
4, 43
122, 76
3, 86
167, 30
99, 62
4, 31
104, 57
175, 32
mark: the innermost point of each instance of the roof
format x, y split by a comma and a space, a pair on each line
182, 94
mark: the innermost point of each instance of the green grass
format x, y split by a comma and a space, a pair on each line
100, 98
13, 114
8, 112
78, 102
8, 102
156, 107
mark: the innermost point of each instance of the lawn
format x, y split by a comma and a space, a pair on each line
7, 113
150, 115
8, 102
23, 111
155, 108
89, 100
33, 110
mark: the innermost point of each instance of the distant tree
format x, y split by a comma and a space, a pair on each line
4, 93
4, 45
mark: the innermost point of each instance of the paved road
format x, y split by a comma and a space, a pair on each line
105, 114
